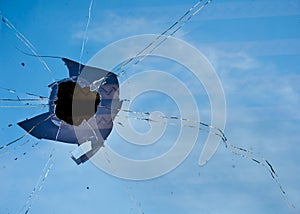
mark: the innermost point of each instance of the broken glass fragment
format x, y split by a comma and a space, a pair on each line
76, 113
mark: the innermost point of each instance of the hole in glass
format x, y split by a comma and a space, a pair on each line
74, 106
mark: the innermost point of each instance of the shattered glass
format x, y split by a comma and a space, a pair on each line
48, 114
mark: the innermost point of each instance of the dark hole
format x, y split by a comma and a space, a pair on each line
74, 106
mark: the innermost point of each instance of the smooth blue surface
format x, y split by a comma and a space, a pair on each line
255, 49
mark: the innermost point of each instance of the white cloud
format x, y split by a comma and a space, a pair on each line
228, 60
112, 28
276, 47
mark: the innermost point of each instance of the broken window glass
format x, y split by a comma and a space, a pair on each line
57, 121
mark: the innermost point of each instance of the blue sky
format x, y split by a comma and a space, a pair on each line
254, 47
